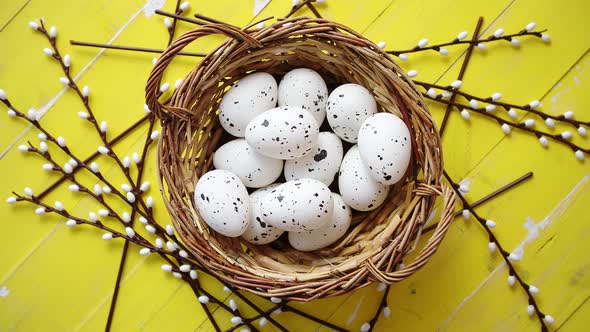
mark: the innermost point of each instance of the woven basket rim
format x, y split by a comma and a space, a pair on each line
376, 245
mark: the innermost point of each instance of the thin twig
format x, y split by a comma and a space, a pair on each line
132, 48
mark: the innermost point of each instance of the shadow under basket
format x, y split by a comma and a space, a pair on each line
377, 241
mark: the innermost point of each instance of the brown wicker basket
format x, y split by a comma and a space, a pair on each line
377, 241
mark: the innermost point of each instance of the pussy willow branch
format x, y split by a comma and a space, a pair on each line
172, 28
503, 252
472, 42
92, 119
556, 137
506, 106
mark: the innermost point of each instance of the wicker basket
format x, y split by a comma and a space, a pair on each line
377, 241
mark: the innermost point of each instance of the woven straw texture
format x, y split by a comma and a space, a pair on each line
378, 241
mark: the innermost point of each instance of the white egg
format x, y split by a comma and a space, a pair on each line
385, 147
358, 189
259, 231
253, 169
348, 106
305, 88
328, 234
298, 205
223, 202
322, 164
285, 132
247, 98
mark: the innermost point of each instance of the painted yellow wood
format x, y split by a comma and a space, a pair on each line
61, 278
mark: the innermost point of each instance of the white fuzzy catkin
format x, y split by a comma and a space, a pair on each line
512, 113
165, 87
73, 187
48, 167
94, 167
386, 312
431, 93
126, 162
365, 327
443, 51
446, 94
531, 26
177, 275
159, 243
43, 147
28, 191
185, 268
226, 289
149, 201
496, 96
549, 319
11, 112
263, 321
59, 206
505, 128
103, 213
144, 186
482, 46
167, 22
71, 223
106, 189
530, 309
193, 274
103, 150
276, 300
511, 280
466, 214
67, 60
545, 37
566, 135
412, 73
97, 189
515, 41
499, 33
130, 197
64, 80
582, 131
381, 287
11, 200
550, 123
474, 104
93, 216
183, 254
534, 104
579, 154
144, 251
167, 268
40, 211
456, 84
169, 245
490, 108
204, 299
184, 6
126, 217
422, 42
529, 123
48, 51
381, 44
33, 25
236, 320
83, 115
177, 84
169, 229
142, 220
568, 115
135, 157
491, 247
465, 114
126, 187
53, 32
233, 305
462, 35
490, 223
403, 57
73, 162
104, 126
61, 141
107, 236
85, 91
533, 289
23, 148
543, 141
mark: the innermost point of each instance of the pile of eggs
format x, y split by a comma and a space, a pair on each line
273, 140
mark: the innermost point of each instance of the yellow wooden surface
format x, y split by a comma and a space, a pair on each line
61, 279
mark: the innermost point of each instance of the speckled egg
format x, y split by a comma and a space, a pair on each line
223, 202
259, 231
357, 187
246, 99
253, 169
298, 205
285, 132
385, 147
305, 88
348, 106
322, 164
328, 234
